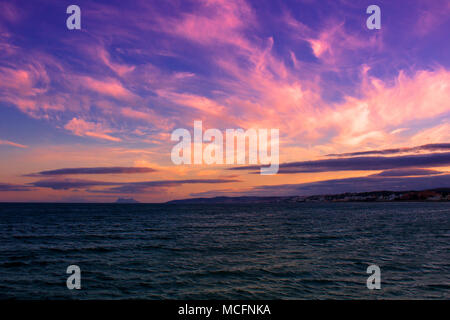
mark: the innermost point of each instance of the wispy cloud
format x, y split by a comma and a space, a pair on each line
408, 172
13, 144
92, 170
361, 163
14, 187
140, 187
122, 187
66, 184
427, 147
81, 127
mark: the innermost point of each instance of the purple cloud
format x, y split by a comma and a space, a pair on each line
138, 187
127, 187
361, 163
66, 184
94, 170
13, 187
426, 147
407, 172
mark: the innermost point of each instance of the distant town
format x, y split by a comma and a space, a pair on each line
425, 195
441, 194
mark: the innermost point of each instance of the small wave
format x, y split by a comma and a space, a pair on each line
14, 264
89, 249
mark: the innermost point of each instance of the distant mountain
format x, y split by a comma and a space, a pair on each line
126, 200
442, 194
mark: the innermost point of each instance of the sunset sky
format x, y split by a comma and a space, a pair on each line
87, 115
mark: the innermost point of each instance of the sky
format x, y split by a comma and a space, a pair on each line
87, 115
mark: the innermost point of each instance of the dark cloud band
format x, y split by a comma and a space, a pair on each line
94, 170
13, 187
427, 147
362, 163
120, 187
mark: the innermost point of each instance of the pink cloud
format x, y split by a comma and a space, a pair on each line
81, 127
9, 12
109, 87
431, 16
375, 118
148, 116
201, 103
334, 45
215, 21
260, 89
30, 80
435, 134
104, 56
13, 144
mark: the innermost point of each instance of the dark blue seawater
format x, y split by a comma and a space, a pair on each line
254, 251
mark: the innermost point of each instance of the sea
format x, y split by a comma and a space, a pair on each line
225, 251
